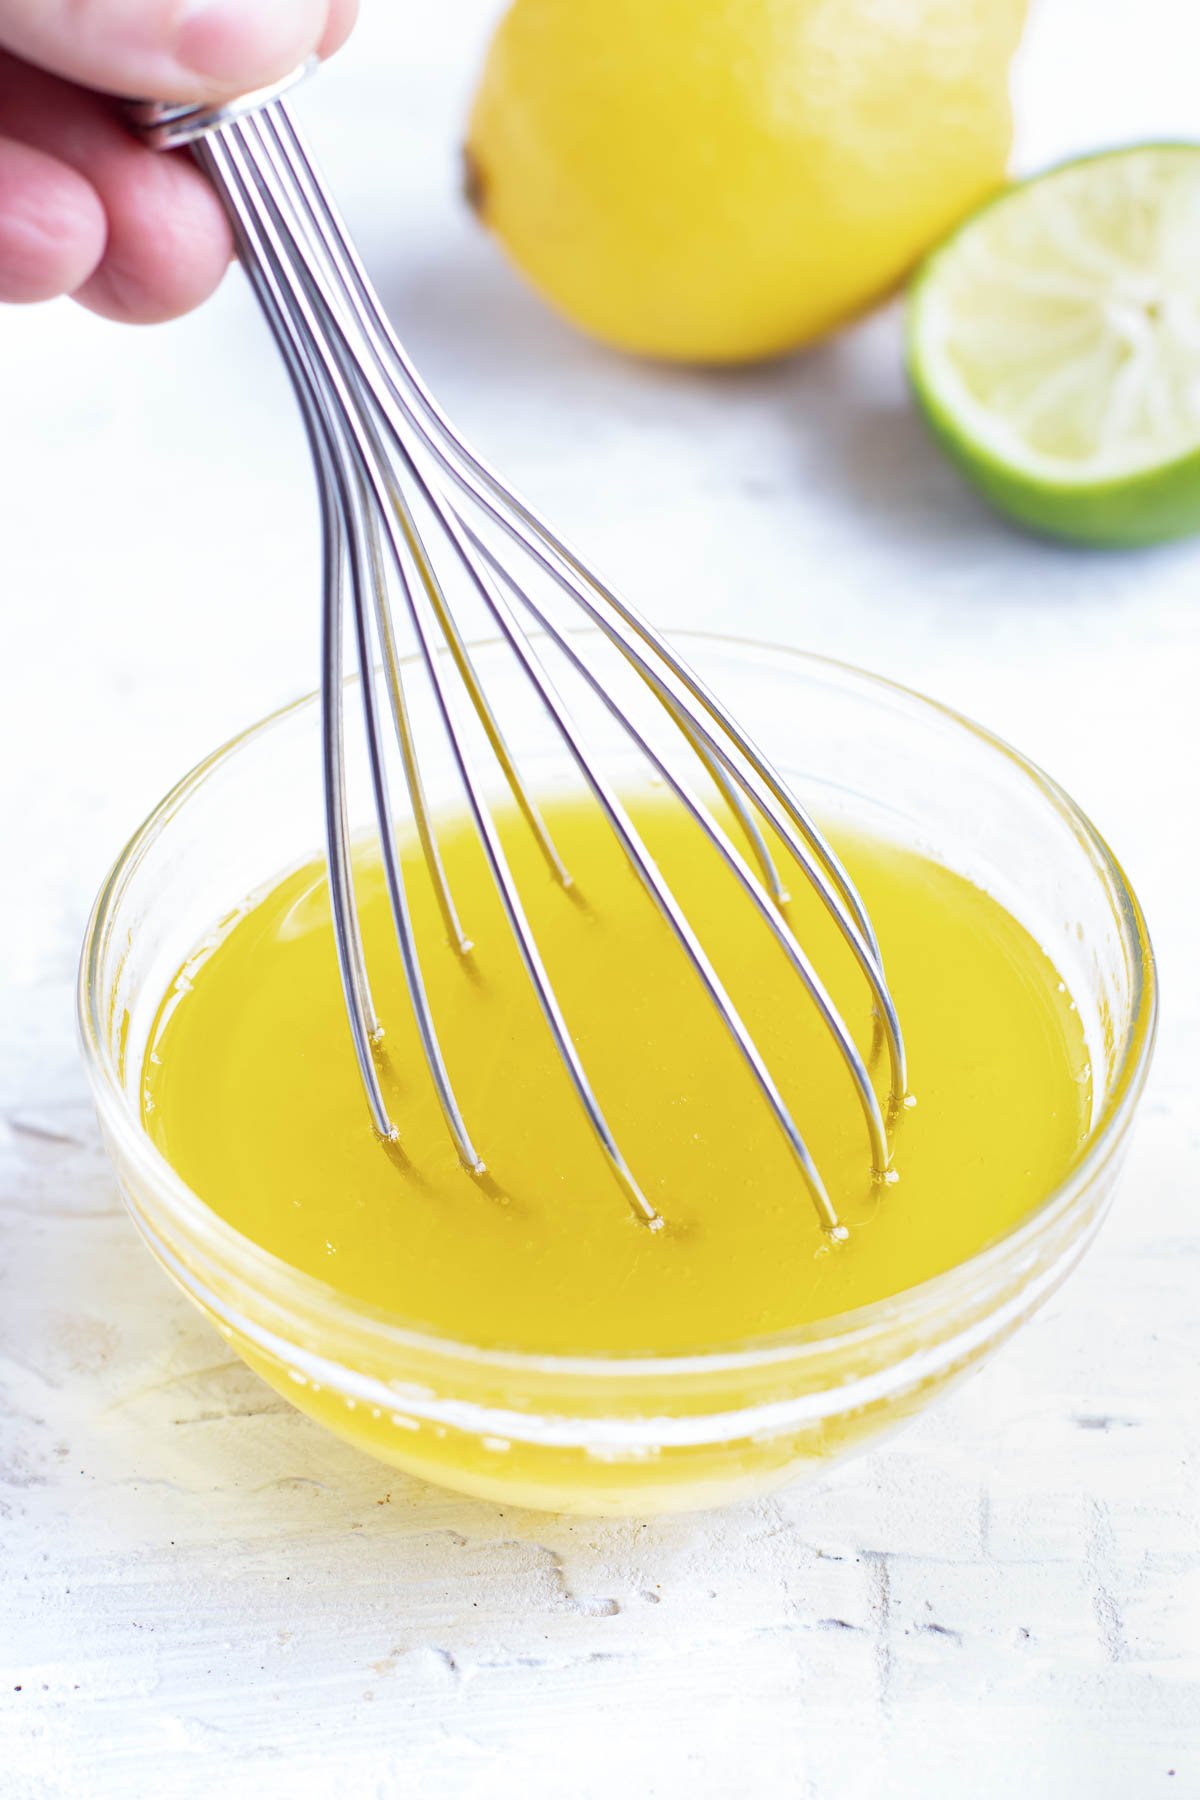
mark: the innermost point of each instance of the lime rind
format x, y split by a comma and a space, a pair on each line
1053, 343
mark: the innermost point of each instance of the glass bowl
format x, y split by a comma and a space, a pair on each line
630, 1435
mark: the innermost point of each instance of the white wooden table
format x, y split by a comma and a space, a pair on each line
200, 1592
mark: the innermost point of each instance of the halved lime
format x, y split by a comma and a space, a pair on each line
1054, 345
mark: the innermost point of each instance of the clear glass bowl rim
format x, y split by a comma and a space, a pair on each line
311, 1298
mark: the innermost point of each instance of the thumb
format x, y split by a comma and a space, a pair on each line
170, 49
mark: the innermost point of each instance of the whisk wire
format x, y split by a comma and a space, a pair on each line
774, 920
397, 895
462, 541
758, 779
348, 547
262, 234
402, 726
382, 449
362, 1019
466, 468
328, 300
288, 154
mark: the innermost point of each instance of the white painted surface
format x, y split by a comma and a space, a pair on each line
200, 1592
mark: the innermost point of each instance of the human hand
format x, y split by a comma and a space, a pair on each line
86, 210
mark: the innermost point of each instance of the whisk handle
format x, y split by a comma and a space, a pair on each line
171, 124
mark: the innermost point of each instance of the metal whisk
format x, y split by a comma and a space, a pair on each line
401, 497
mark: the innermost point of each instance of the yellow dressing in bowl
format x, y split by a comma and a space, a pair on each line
252, 1093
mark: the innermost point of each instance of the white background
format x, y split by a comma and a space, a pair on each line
199, 1591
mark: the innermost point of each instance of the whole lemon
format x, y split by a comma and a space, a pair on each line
719, 180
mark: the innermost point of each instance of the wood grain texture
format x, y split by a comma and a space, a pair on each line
199, 1591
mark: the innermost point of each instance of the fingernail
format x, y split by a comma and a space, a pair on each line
243, 44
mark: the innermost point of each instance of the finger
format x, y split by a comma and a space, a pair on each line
338, 26
167, 242
52, 225
168, 50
